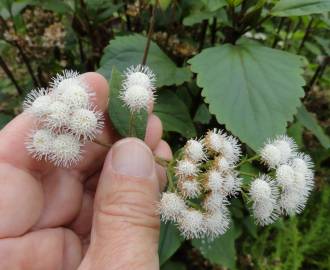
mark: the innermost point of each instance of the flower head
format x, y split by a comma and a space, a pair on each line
136, 97
171, 206
37, 102
66, 150
191, 224
302, 163
287, 147
40, 143
231, 149
285, 176
194, 150
58, 116
214, 180
190, 188
222, 164
215, 201
264, 195
217, 223
232, 184
214, 140
86, 123
140, 75
270, 155
60, 77
186, 168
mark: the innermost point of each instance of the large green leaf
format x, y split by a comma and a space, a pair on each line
169, 241
174, 114
128, 50
120, 115
220, 251
252, 89
309, 122
300, 7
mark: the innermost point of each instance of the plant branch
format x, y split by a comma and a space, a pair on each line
202, 35
10, 75
150, 32
307, 32
247, 160
214, 31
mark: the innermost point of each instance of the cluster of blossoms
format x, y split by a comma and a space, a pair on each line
138, 88
289, 191
66, 119
206, 173
207, 176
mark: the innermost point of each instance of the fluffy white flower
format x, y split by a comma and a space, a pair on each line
285, 176
136, 97
37, 102
217, 223
291, 202
66, 150
214, 140
190, 188
231, 149
222, 164
191, 224
40, 143
194, 150
171, 207
270, 155
287, 147
215, 201
215, 180
60, 77
58, 116
186, 168
86, 123
302, 163
232, 184
264, 195
140, 75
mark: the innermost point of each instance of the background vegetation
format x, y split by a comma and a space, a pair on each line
254, 67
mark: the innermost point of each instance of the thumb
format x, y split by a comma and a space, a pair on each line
125, 228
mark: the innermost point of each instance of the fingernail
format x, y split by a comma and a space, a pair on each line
131, 157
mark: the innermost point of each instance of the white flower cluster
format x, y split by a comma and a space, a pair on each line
138, 88
66, 119
288, 193
206, 172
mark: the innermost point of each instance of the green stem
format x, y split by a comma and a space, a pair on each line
248, 174
131, 125
247, 160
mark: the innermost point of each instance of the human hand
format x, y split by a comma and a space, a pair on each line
101, 214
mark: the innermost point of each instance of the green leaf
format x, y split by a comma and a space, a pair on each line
300, 7
169, 241
213, 5
125, 51
174, 114
295, 131
310, 122
4, 119
251, 226
220, 251
120, 115
252, 89
54, 5
202, 115
173, 266
198, 17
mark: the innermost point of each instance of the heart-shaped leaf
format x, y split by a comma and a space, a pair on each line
300, 7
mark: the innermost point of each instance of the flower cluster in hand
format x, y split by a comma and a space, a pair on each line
66, 119
207, 176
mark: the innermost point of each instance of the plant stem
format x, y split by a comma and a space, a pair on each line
307, 32
279, 28
202, 35
247, 160
107, 145
247, 174
128, 19
131, 125
150, 32
6, 69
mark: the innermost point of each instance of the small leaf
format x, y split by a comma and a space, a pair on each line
202, 115
300, 7
309, 122
169, 241
125, 51
174, 114
221, 250
213, 5
120, 115
173, 266
250, 225
252, 89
